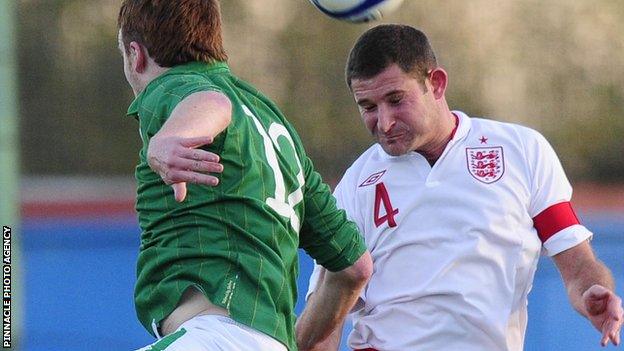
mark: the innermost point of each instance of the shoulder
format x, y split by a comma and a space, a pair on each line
510, 132
521, 144
178, 85
501, 127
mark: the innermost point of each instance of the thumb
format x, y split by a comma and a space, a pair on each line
196, 141
179, 191
596, 292
596, 298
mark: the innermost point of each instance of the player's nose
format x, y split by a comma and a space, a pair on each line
385, 120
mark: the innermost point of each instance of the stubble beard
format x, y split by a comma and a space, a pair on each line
397, 147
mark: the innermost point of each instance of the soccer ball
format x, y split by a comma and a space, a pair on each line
356, 10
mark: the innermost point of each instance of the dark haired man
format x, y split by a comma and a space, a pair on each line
455, 211
217, 268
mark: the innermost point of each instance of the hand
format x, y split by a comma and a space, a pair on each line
604, 310
177, 160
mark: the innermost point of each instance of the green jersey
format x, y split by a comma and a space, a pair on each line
237, 242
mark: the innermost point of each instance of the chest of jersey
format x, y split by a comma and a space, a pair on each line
459, 227
460, 194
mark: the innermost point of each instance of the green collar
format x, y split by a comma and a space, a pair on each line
189, 67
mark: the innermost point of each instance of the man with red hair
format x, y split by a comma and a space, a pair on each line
217, 268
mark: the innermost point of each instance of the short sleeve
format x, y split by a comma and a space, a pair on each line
156, 104
553, 216
179, 88
326, 234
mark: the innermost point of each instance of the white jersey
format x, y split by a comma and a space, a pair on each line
455, 246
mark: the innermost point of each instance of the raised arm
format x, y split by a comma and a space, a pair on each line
590, 287
321, 322
194, 122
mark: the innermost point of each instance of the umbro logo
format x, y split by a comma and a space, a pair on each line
373, 178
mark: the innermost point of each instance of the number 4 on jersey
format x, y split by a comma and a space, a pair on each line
381, 196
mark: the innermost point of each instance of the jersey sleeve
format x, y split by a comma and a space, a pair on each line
173, 92
326, 234
554, 218
180, 88
342, 200
158, 104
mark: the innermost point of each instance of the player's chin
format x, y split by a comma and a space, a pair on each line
394, 149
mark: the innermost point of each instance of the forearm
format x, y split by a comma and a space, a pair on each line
590, 272
202, 114
580, 270
330, 303
325, 310
173, 152
331, 343
591, 289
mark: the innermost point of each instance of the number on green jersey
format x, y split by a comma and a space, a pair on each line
280, 203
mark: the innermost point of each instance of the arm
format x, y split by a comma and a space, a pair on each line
173, 153
327, 308
332, 343
590, 288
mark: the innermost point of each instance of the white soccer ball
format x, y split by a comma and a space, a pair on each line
357, 10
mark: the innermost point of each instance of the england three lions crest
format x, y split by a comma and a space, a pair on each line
486, 164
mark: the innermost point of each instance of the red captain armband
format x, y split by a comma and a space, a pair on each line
554, 219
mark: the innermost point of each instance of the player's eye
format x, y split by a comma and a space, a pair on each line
395, 99
368, 108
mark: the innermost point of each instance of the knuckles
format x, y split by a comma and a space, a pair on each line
167, 158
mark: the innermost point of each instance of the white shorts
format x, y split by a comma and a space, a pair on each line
215, 333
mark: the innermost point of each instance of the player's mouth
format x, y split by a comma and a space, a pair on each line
393, 138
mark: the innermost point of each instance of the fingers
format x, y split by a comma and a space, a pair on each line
183, 170
615, 337
610, 332
196, 142
181, 176
178, 161
199, 166
616, 318
179, 191
198, 155
604, 340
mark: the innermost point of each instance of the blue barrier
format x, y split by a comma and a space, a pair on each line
79, 277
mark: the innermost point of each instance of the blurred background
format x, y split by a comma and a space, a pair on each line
68, 152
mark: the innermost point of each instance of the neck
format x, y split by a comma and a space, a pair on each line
447, 129
151, 72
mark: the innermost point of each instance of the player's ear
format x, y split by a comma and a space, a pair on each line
439, 80
138, 55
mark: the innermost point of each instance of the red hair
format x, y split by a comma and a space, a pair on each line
174, 32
